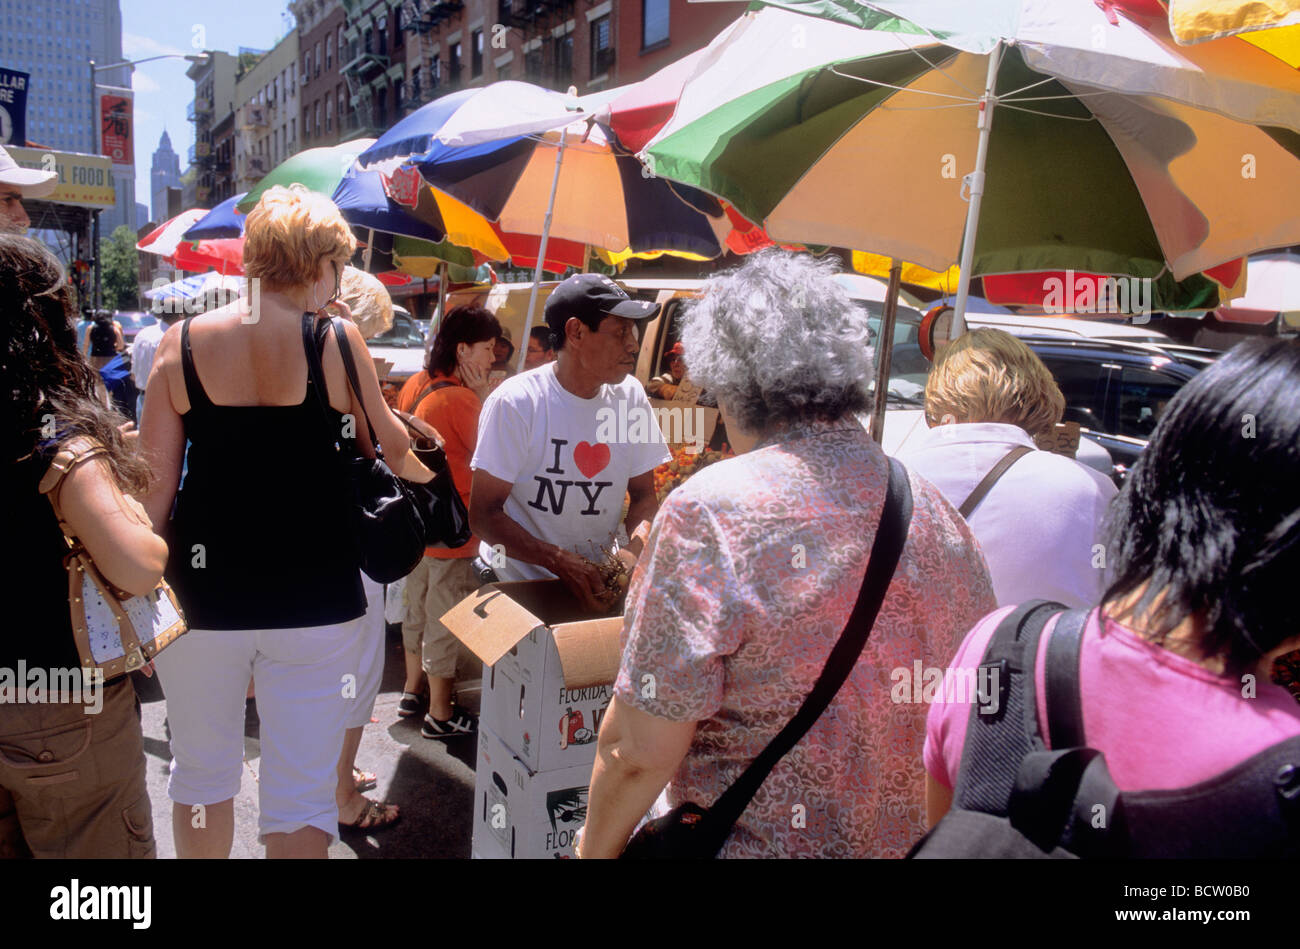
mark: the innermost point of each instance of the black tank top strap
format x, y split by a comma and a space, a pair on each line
193, 387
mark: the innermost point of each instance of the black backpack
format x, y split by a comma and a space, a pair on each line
1016, 798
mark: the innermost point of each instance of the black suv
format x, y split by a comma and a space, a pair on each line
1115, 391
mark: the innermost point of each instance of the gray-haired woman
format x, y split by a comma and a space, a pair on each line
747, 581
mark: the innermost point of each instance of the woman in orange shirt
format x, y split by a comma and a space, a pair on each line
447, 395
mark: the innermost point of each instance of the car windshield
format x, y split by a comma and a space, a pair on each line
403, 334
908, 368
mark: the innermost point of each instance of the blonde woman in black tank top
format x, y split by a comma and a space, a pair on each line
263, 556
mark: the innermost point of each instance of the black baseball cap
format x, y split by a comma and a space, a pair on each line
590, 297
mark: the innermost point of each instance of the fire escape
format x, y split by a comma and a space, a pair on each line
548, 59
424, 18
365, 65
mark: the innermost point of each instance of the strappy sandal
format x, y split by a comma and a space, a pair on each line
374, 816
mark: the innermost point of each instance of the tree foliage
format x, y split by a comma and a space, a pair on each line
120, 281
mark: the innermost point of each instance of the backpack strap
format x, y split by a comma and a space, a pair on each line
1249, 811
1003, 723
428, 390
997, 471
1061, 679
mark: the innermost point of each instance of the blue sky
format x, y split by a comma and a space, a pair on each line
162, 90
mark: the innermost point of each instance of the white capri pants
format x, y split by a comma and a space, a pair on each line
299, 675
370, 655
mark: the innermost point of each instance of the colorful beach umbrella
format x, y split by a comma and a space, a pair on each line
1131, 155
167, 241
318, 169
223, 221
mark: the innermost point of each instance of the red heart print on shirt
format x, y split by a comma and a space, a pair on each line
591, 459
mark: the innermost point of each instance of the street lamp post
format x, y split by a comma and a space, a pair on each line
94, 136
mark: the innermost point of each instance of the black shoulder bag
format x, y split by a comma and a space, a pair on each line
389, 527
445, 516
689, 832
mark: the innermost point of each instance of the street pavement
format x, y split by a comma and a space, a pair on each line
432, 781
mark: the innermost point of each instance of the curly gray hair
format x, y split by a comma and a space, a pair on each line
779, 342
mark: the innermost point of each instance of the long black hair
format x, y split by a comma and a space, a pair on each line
53, 392
468, 324
1209, 519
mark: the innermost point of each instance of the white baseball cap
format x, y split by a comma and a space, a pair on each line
30, 182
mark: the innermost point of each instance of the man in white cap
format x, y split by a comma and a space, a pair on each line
17, 183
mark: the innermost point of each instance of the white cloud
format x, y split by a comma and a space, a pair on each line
141, 82
135, 46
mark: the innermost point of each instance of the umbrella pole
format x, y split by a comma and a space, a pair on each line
370, 246
442, 295
885, 350
541, 252
976, 178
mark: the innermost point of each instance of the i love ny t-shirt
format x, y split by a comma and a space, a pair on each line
569, 459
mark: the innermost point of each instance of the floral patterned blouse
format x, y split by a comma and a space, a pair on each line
749, 575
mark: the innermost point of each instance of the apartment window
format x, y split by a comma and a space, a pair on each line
476, 54
329, 115
306, 123
654, 22
399, 96
564, 60
453, 63
329, 51
342, 107
368, 42
317, 112
533, 65
415, 82
342, 41
382, 30
435, 72
317, 59
306, 63
602, 49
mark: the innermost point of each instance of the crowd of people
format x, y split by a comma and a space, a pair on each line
742, 579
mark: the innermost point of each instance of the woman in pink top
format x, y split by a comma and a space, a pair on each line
1204, 550
749, 576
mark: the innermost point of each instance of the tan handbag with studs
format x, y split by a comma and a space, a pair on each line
115, 632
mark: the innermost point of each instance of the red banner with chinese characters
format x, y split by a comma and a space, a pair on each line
115, 128
403, 186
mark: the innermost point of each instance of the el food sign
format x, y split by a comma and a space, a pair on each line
84, 180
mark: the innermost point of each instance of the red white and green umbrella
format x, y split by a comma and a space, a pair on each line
167, 241
1047, 135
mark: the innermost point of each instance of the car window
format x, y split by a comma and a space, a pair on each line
1143, 396
1079, 381
403, 332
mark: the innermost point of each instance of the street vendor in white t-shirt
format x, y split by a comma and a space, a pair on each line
556, 451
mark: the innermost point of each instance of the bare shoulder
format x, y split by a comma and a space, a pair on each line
169, 347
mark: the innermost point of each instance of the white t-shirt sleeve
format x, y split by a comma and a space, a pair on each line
652, 453
503, 436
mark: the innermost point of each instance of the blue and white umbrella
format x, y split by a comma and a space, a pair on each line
223, 221
191, 288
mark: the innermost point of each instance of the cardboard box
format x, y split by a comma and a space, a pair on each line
524, 815
549, 669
